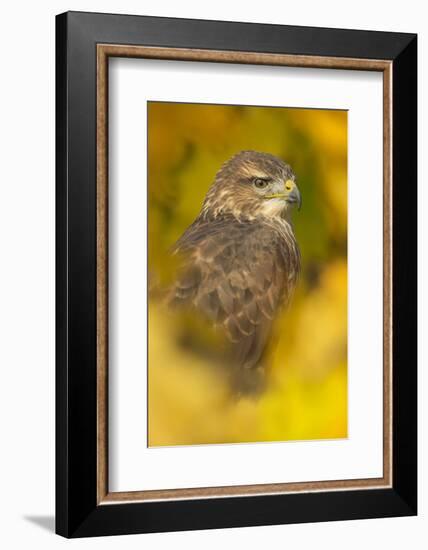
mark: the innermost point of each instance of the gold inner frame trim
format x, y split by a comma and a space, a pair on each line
104, 51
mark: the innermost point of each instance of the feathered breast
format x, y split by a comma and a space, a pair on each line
238, 274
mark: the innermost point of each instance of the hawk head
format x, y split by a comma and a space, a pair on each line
250, 185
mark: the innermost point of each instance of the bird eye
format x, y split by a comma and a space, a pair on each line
260, 183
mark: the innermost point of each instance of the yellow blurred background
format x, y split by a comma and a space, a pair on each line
306, 395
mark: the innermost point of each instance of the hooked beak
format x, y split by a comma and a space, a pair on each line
291, 194
294, 196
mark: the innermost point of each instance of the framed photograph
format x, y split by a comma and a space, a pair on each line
236, 274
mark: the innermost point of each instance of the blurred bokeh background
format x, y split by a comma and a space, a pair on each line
306, 395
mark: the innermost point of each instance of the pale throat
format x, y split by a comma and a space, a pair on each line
274, 208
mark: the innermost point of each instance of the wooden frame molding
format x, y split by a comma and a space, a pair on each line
104, 52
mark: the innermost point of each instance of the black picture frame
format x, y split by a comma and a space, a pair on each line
77, 511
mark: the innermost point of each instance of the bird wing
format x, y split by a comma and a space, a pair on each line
237, 274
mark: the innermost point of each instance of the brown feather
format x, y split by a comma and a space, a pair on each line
239, 295
239, 267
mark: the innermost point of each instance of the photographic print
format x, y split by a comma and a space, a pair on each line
247, 271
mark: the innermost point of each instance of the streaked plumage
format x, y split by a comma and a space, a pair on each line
241, 258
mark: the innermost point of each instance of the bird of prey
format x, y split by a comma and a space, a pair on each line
241, 259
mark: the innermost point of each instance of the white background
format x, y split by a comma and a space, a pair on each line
133, 466
27, 274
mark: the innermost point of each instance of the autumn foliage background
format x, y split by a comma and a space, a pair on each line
306, 396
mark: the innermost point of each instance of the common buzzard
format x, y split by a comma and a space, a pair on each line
241, 258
